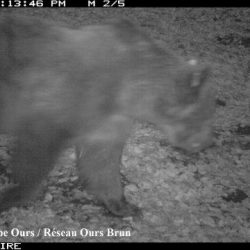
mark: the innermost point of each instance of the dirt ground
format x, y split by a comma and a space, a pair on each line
200, 198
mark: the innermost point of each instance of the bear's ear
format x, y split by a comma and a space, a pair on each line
192, 75
191, 82
198, 74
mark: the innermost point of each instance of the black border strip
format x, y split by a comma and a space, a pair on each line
122, 3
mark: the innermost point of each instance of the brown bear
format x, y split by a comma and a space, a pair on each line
86, 86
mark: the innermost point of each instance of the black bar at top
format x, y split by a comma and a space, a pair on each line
158, 3
126, 3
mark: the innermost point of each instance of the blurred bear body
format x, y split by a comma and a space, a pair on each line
86, 86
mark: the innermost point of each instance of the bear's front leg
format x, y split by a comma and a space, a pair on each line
99, 168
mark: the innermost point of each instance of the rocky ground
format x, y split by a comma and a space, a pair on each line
199, 198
